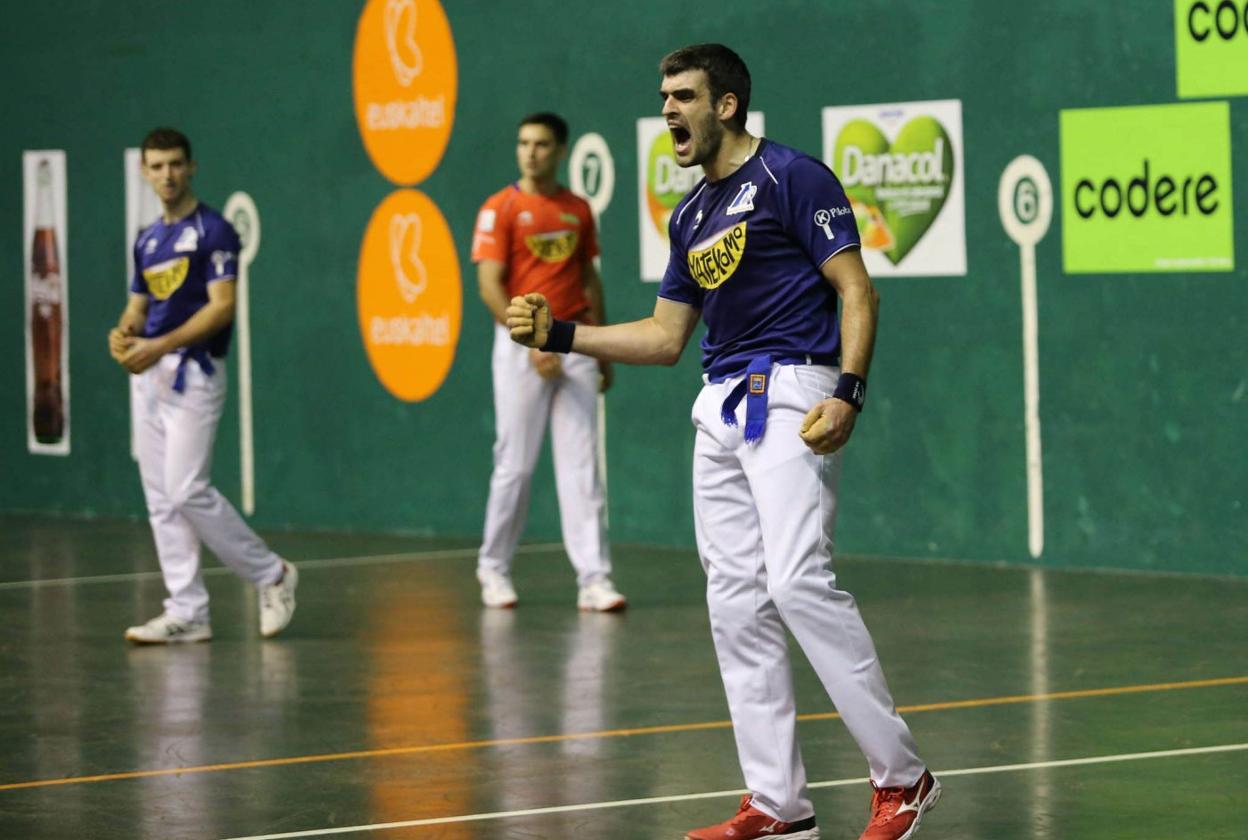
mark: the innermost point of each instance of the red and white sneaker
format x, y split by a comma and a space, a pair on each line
896, 811
751, 823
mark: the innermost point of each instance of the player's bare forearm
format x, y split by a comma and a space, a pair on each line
829, 423
207, 322
129, 325
134, 315
492, 284
860, 309
214, 316
211, 318
643, 342
657, 340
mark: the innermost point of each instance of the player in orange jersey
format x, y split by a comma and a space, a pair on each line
534, 235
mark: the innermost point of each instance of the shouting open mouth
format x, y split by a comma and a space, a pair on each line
682, 140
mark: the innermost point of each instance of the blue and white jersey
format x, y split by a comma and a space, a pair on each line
173, 266
747, 251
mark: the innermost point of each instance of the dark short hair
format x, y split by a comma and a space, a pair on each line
725, 73
557, 124
165, 138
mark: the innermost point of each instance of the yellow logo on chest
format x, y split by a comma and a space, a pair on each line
553, 247
163, 279
712, 264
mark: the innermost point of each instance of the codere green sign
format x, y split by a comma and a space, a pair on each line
1147, 188
1211, 47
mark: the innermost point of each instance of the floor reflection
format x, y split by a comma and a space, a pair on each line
569, 666
1041, 713
170, 688
417, 693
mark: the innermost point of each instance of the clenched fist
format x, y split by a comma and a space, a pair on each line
827, 426
529, 319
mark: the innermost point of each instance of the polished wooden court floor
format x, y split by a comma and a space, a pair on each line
1053, 705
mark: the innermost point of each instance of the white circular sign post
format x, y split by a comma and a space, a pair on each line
240, 211
591, 175
591, 171
1025, 202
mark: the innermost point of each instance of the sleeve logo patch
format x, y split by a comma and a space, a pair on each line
823, 219
486, 220
221, 259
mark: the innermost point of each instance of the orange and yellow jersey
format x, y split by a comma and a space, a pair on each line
544, 241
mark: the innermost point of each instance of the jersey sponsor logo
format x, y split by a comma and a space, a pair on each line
486, 220
553, 247
150, 247
714, 260
744, 200
163, 279
188, 240
524, 217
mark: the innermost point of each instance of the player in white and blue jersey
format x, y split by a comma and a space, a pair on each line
173, 335
763, 248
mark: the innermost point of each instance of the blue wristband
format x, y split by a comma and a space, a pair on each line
559, 339
852, 389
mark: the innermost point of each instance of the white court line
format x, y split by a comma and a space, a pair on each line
689, 797
325, 563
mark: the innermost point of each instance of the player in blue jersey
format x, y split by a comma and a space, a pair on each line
762, 249
173, 335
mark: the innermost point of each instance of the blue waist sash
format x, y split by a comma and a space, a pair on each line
753, 388
201, 356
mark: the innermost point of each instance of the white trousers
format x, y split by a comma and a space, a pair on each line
523, 405
174, 434
764, 516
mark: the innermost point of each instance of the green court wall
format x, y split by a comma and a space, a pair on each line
1143, 377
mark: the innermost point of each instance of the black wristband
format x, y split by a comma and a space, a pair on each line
851, 388
559, 339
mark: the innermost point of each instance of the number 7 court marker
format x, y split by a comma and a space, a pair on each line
1025, 202
241, 212
591, 173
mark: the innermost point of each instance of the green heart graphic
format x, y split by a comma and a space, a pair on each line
898, 188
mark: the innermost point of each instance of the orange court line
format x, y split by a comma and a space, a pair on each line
618, 733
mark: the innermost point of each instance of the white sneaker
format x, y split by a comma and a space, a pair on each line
496, 589
600, 597
277, 601
164, 629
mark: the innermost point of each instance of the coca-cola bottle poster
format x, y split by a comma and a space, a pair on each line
46, 313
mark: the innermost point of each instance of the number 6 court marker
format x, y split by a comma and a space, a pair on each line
241, 212
1025, 202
